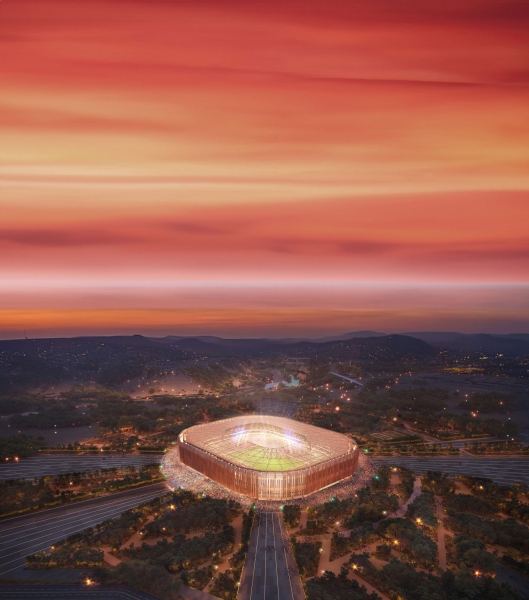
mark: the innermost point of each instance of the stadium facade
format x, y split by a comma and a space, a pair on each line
268, 457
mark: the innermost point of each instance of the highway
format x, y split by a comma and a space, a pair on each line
20, 536
270, 572
67, 592
55, 464
505, 470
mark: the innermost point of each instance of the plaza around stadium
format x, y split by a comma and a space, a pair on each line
267, 460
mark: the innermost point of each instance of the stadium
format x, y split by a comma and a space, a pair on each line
268, 457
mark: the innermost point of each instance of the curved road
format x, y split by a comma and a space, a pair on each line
27, 534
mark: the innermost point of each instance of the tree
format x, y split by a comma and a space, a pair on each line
141, 575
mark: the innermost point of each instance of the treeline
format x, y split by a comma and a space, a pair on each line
58, 416
504, 447
464, 425
22, 402
21, 445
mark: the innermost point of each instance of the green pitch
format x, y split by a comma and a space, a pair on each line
262, 460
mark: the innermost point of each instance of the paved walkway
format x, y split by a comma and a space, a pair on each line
441, 534
370, 589
400, 512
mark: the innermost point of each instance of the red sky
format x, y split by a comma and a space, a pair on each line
263, 168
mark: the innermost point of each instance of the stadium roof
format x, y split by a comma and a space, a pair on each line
268, 443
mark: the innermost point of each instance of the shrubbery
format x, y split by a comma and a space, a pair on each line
291, 515
307, 555
411, 541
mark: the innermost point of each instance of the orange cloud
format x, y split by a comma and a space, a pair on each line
293, 142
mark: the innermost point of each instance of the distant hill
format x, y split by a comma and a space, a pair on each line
516, 344
390, 347
333, 338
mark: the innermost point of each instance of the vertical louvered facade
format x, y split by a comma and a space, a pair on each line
264, 484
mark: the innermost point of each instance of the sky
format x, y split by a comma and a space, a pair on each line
269, 168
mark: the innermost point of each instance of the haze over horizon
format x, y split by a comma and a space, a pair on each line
263, 170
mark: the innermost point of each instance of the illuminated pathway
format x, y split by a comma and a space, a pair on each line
506, 470
270, 572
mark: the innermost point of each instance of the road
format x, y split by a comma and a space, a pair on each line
270, 572
349, 379
67, 592
506, 470
25, 535
55, 464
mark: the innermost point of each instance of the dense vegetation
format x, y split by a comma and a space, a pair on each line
291, 515
182, 553
411, 541
214, 377
18, 446
503, 447
307, 555
176, 554
332, 587
142, 575
488, 402
58, 416
507, 533
360, 536
189, 513
422, 510
400, 580
79, 554
237, 560
19, 402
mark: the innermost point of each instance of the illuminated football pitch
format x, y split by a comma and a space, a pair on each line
262, 459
